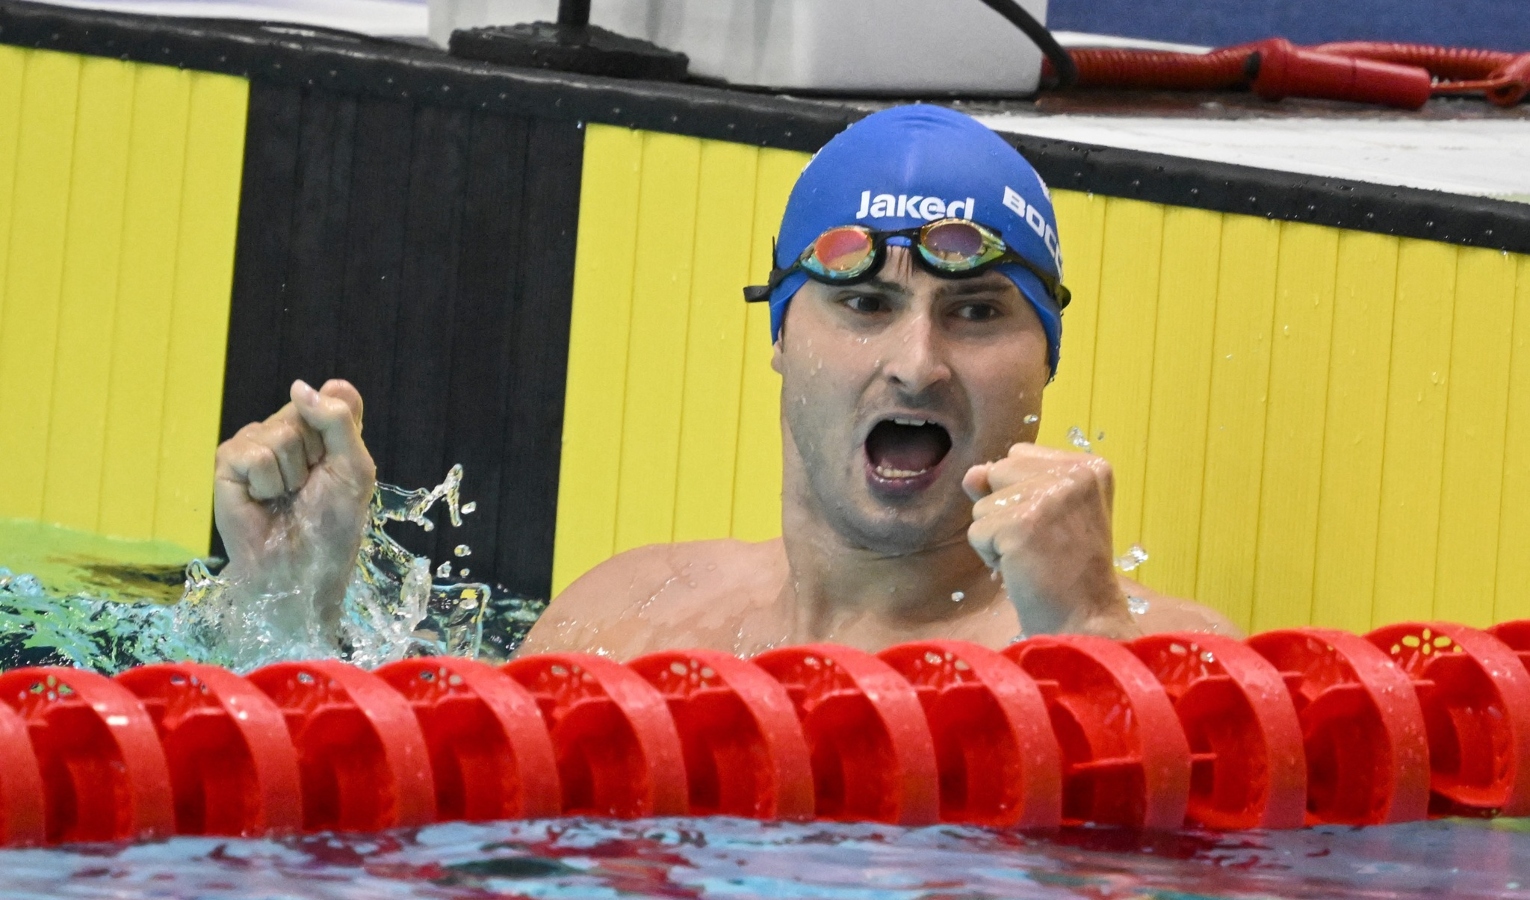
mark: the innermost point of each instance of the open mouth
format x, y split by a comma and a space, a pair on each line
906, 450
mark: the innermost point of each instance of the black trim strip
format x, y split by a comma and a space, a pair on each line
1293, 197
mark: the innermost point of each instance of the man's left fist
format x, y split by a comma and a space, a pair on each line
1041, 518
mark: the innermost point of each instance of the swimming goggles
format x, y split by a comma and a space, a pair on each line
952, 248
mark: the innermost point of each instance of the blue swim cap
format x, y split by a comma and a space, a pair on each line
908, 165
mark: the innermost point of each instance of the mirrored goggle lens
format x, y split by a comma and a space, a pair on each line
957, 245
844, 252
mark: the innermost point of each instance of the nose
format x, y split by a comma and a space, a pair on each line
916, 355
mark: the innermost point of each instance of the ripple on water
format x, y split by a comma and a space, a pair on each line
736, 858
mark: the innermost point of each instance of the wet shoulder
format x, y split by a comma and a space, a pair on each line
627, 604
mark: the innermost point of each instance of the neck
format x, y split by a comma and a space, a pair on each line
833, 585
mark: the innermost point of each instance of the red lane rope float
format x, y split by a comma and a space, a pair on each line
1125, 760
998, 760
490, 754
617, 748
745, 752
1476, 700
23, 813
1247, 765
104, 776
1362, 727
364, 762
872, 753
233, 768
1517, 636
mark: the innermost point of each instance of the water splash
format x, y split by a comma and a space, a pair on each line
1079, 440
1137, 606
392, 608
1132, 559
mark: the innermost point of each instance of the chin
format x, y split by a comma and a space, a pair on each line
904, 529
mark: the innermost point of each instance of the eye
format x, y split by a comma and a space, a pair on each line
978, 312
863, 303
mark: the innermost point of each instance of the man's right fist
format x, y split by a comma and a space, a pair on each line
291, 496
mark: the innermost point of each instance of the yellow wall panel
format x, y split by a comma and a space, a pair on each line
13, 66
1408, 522
656, 362
135, 413
757, 479
597, 359
714, 352
1475, 418
1081, 229
1354, 428
204, 272
1181, 392
1240, 369
663, 351
120, 184
1123, 352
82, 365
1294, 422
1512, 595
39, 214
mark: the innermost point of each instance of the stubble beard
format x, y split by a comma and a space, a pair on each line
835, 491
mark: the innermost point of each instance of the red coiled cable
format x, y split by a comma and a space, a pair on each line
1394, 74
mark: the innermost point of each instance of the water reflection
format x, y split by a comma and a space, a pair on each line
741, 859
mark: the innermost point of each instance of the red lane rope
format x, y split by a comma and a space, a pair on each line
1306, 725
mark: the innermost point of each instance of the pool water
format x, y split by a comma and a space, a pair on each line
733, 858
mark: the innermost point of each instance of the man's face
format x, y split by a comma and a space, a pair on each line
891, 389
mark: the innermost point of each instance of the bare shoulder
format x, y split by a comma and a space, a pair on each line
655, 596
1167, 613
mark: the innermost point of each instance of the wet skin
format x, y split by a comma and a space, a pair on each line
959, 528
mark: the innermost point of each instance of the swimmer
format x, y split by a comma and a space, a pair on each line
916, 317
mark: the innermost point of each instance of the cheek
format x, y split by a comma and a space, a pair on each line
1003, 396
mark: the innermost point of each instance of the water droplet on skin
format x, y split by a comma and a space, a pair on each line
462, 550
1137, 606
1032, 419
958, 596
1134, 557
1078, 440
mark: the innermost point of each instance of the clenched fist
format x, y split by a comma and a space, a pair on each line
1041, 518
291, 497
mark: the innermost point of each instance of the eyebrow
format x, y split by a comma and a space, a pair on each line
950, 287
965, 287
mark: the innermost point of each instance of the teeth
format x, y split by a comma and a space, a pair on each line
914, 422
885, 472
